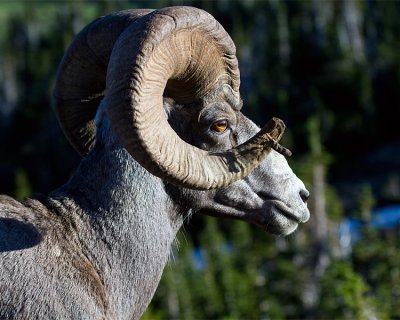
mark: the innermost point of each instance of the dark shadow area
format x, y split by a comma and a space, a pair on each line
17, 235
7, 311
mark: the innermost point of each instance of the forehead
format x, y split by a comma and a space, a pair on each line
221, 98
225, 95
219, 108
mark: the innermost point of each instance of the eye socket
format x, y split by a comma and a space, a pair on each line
219, 126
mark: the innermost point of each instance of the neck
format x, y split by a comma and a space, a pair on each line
126, 225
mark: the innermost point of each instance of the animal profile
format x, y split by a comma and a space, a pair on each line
150, 99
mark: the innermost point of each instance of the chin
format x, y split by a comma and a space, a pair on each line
279, 229
274, 222
286, 230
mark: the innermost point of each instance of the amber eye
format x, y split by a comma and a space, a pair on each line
219, 126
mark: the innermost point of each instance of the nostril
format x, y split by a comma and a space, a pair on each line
304, 195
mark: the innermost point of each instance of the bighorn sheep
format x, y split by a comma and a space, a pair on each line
151, 100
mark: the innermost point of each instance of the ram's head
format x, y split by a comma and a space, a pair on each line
170, 80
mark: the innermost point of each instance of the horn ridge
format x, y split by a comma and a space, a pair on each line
181, 51
185, 52
81, 77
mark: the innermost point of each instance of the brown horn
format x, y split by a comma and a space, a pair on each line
185, 52
181, 51
81, 77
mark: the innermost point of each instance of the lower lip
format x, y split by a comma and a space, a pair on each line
285, 210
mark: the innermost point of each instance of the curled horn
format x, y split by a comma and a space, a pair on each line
182, 52
81, 77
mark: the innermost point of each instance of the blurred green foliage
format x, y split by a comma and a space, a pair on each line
345, 295
331, 70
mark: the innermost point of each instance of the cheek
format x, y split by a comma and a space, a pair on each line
213, 145
245, 129
278, 166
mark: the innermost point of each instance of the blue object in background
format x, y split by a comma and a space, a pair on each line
381, 219
386, 217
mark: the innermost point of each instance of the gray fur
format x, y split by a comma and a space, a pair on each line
96, 247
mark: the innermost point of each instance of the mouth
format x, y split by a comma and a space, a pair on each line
277, 217
285, 210
288, 212
263, 209
274, 216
